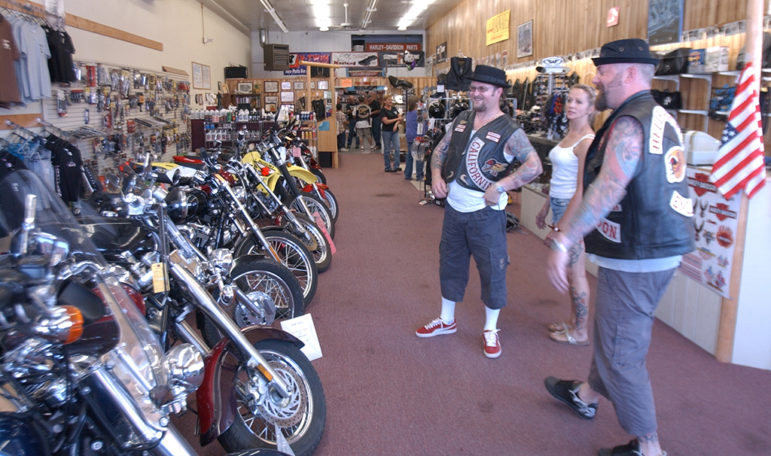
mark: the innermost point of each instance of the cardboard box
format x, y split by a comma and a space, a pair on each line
708, 60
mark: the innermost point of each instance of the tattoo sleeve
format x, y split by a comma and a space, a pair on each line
519, 146
622, 155
440, 151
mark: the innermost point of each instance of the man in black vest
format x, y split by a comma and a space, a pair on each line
635, 214
472, 167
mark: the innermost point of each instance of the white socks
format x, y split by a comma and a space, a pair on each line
448, 311
491, 318
448, 315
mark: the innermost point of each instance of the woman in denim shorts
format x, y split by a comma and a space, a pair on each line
565, 191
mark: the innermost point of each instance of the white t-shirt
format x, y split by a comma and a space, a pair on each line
464, 199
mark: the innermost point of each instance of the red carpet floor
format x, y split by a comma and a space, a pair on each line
390, 393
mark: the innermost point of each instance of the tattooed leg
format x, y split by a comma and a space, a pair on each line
649, 444
579, 294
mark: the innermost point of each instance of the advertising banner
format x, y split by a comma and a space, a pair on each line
295, 69
715, 222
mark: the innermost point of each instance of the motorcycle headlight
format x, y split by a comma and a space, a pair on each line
177, 204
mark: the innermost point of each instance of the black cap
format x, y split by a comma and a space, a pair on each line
632, 50
489, 75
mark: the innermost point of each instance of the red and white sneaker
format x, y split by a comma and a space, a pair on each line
436, 328
491, 344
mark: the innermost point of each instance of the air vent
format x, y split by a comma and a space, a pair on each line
276, 57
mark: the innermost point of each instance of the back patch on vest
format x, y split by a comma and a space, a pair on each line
610, 230
659, 120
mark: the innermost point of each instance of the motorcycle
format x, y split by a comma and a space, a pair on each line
259, 390
81, 373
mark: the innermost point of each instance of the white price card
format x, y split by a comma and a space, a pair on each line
302, 328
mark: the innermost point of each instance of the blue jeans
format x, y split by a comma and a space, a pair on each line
376, 130
558, 207
352, 134
391, 147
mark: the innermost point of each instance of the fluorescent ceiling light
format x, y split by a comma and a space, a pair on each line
368, 16
416, 9
269, 8
321, 13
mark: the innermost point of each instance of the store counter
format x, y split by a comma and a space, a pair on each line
698, 302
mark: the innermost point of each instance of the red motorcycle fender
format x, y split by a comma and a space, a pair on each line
216, 396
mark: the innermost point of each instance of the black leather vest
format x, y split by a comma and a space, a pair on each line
476, 165
460, 71
654, 218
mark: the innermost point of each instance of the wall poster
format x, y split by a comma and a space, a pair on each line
201, 76
715, 223
665, 21
525, 39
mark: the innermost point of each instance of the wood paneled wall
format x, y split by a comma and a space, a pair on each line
561, 27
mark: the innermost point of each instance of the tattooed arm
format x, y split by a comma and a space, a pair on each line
519, 146
622, 155
438, 156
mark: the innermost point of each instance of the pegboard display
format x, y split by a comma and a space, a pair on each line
114, 113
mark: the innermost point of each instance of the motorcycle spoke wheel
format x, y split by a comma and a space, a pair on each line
264, 277
301, 417
322, 254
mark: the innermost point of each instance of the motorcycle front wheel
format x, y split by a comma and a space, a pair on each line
322, 252
331, 201
315, 204
292, 253
266, 277
300, 418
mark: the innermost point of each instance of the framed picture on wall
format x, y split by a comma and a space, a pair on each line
286, 85
270, 107
313, 84
525, 39
323, 85
271, 100
271, 86
299, 85
201, 76
287, 97
245, 87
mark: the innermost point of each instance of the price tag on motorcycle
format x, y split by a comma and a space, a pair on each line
296, 151
302, 328
323, 228
160, 278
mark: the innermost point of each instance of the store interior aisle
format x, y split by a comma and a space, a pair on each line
389, 392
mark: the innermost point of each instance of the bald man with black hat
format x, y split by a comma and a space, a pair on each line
635, 219
472, 168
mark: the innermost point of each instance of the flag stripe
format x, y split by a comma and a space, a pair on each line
740, 165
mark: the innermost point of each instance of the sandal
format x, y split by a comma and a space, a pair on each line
558, 327
569, 339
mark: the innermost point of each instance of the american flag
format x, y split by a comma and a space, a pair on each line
740, 157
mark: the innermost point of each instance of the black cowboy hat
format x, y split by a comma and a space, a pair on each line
632, 50
489, 75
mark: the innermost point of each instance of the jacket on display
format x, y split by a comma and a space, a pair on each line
460, 71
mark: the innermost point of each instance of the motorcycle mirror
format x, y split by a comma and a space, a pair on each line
128, 184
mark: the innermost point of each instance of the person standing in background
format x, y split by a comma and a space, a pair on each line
375, 115
410, 134
390, 117
565, 191
350, 114
342, 123
364, 125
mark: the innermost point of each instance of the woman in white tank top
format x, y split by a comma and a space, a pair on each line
565, 192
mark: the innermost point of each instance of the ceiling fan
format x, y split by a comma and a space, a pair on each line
345, 25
